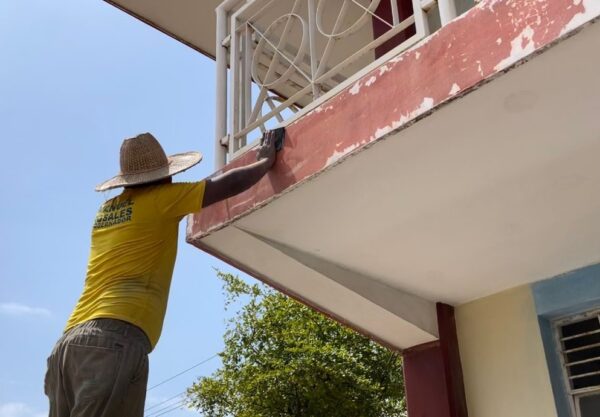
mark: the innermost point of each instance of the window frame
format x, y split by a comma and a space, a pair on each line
574, 394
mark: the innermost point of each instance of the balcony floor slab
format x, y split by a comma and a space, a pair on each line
440, 197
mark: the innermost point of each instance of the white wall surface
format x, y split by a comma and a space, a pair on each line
502, 356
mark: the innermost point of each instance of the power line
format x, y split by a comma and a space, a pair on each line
183, 372
165, 401
170, 410
167, 408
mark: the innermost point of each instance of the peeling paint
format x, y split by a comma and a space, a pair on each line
355, 88
479, 68
407, 86
323, 108
426, 105
397, 58
521, 46
338, 154
591, 9
383, 69
370, 81
382, 131
489, 4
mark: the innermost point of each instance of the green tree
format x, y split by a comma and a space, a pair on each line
283, 359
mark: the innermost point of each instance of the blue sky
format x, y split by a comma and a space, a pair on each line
76, 78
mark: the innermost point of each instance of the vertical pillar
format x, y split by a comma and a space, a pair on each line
221, 89
433, 373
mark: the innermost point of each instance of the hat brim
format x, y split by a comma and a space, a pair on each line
177, 163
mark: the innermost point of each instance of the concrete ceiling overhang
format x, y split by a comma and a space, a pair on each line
463, 167
191, 22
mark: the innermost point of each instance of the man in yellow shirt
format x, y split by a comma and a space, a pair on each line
99, 367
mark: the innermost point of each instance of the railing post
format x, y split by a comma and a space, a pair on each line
248, 49
312, 38
235, 96
447, 11
221, 96
421, 21
395, 14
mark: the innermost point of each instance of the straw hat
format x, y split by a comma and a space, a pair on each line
143, 160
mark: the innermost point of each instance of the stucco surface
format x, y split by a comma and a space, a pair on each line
504, 369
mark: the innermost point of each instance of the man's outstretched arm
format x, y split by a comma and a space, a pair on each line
240, 179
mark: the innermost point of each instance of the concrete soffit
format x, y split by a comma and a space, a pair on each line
418, 311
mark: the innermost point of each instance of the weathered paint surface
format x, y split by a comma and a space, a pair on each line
489, 39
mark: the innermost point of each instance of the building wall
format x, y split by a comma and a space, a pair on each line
504, 367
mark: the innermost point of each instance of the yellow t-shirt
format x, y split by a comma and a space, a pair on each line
134, 244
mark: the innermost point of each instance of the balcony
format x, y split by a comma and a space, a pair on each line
435, 151
288, 57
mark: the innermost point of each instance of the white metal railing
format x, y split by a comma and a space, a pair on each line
287, 55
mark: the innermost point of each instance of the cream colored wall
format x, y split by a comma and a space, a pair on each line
502, 356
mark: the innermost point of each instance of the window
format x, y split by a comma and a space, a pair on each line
579, 343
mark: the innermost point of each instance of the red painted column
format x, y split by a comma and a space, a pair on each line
433, 373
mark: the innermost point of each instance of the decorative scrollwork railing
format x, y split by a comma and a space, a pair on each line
286, 54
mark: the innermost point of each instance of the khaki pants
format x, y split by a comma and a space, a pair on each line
98, 369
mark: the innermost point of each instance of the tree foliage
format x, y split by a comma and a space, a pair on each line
282, 359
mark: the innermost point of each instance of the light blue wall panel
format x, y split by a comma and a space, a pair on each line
572, 293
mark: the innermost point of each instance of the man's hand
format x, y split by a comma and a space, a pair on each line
266, 149
240, 179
